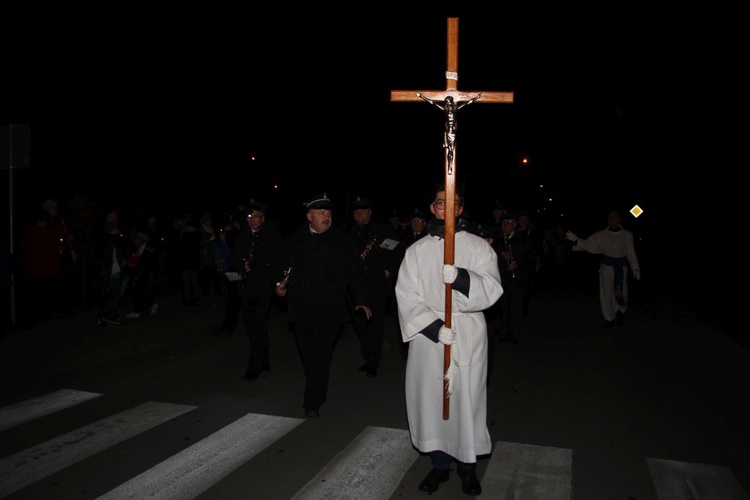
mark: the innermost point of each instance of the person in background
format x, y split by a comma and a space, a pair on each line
189, 259
112, 269
255, 257
615, 244
417, 227
40, 257
66, 254
420, 292
515, 256
395, 222
526, 228
380, 252
207, 276
232, 302
142, 265
319, 267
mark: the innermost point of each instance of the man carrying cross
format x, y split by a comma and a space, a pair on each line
470, 284
475, 279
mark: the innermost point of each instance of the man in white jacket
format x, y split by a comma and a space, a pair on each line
615, 244
420, 293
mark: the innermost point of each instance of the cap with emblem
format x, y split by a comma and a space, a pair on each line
361, 202
508, 216
256, 204
319, 202
417, 214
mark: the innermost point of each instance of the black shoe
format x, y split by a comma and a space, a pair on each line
469, 481
620, 318
311, 413
431, 483
266, 367
372, 372
250, 376
363, 368
608, 324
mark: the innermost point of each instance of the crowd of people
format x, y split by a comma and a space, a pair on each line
330, 271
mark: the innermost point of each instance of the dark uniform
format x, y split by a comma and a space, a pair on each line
260, 248
377, 257
323, 268
514, 281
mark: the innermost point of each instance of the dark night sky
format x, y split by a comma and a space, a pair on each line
167, 107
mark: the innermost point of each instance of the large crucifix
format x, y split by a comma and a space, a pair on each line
450, 101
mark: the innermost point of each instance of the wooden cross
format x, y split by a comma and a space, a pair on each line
450, 101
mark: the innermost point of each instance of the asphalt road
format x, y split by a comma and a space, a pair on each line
655, 409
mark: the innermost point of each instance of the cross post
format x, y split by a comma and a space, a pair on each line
450, 101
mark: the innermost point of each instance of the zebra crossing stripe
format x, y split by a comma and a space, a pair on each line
370, 467
679, 480
28, 466
31, 409
529, 472
194, 470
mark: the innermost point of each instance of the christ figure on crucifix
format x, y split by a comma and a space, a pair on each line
449, 107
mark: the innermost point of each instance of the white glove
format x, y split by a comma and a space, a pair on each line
446, 335
637, 274
449, 274
571, 236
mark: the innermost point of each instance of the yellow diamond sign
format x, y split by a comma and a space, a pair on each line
636, 211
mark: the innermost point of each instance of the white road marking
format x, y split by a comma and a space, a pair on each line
28, 466
29, 410
370, 467
194, 470
682, 480
528, 472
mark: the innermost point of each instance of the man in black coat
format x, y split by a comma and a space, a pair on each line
254, 257
321, 267
381, 253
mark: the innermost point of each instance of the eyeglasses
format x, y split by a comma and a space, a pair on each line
439, 203
251, 216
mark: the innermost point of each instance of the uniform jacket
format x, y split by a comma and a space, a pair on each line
323, 267
367, 240
262, 248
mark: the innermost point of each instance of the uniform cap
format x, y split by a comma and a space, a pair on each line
361, 202
320, 201
256, 204
418, 214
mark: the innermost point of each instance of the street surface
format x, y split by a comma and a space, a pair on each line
652, 410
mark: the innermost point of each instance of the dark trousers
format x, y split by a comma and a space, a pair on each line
111, 293
315, 342
232, 306
255, 311
441, 460
371, 332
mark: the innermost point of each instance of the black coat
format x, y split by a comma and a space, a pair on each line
523, 253
377, 260
263, 250
324, 268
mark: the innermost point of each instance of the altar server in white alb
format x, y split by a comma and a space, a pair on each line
420, 293
615, 244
